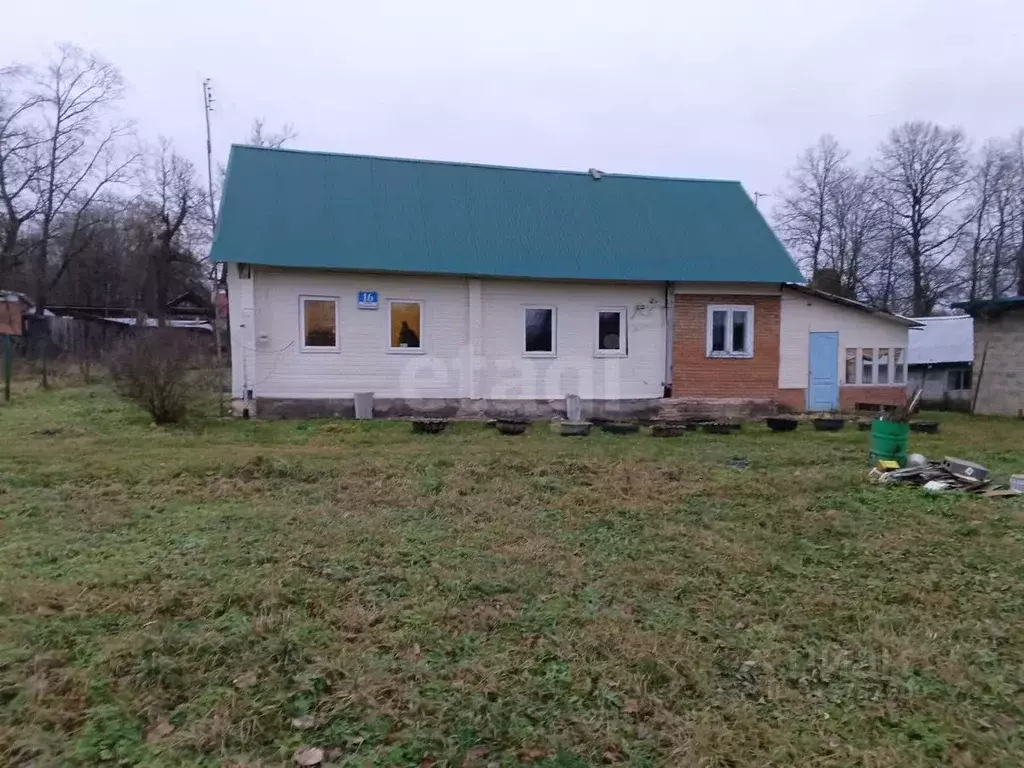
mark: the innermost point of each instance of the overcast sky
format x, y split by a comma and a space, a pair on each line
731, 89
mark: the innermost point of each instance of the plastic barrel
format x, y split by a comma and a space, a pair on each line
889, 440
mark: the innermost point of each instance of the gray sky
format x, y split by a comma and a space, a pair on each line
732, 89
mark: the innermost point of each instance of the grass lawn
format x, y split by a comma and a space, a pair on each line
227, 592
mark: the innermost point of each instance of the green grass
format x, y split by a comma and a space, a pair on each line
178, 596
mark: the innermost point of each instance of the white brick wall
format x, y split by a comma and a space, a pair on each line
472, 337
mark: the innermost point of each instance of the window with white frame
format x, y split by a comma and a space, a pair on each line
876, 365
405, 321
730, 331
958, 379
318, 318
611, 332
539, 326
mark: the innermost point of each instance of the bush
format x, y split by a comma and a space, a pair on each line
158, 370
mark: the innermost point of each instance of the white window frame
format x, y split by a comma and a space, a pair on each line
554, 330
422, 348
893, 366
623, 349
729, 309
302, 324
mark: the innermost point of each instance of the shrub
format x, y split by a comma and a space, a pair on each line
157, 369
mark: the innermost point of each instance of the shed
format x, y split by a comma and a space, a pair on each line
998, 380
941, 358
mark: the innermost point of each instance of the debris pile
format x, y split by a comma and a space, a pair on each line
950, 474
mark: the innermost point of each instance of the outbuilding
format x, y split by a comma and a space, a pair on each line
998, 380
941, 360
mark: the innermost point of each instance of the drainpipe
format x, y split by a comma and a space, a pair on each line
669, 323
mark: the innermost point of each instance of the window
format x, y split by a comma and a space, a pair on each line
867, 366
851, 365
730, 332
958, 379
899, 365
539, 329
611, 332
883, 365
406, 325
319, 323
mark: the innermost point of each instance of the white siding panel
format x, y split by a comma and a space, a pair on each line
473, 336
362, 363
241, 330
802, 314
575, 369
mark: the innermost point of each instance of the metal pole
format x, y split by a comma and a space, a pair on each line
8, 366
207, 108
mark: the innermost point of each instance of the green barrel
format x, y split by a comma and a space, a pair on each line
889, 441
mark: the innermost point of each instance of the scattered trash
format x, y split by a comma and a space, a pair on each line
925, 427
967, 471
307, 756
303, 723
950, 474
1017, 483
738, 462
916, 460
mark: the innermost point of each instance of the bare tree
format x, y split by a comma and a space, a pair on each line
1017, 197
173, 199
982, 186
80, 158
854, 227
259, 136
922, 170
80, 154
18, 165
802, 216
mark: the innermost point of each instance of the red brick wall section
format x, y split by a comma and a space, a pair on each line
694, 374
794, 400
850, 396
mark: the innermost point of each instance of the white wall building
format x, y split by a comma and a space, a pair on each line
942, 358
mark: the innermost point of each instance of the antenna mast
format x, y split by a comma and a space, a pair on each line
207, 109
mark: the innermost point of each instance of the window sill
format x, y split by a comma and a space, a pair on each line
862, 386
321, 350
539, 354
730, 355
609, 353
406, 351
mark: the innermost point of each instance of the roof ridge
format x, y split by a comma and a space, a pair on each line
488, 166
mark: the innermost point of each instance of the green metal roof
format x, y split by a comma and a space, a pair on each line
312, 209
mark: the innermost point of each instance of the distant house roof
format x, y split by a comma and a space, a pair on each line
881, 314
313, 209
990, 307
942, 340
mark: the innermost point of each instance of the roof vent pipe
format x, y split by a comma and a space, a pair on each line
595, 174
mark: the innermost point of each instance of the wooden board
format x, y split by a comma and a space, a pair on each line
10, 318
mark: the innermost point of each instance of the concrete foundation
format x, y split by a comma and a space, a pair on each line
669, 409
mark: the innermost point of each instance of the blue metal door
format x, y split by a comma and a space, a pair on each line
823, 384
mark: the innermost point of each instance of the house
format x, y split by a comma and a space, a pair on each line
998, 371
941, 356
457, 289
